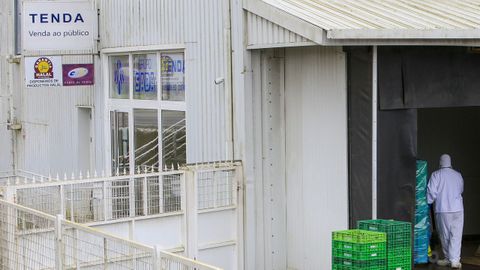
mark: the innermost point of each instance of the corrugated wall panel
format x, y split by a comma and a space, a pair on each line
201, 27
316, 147
263, 33
5, 135
50, 130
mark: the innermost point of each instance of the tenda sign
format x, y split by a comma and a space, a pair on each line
54, 26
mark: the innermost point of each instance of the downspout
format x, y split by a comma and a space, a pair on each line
374, 132
230, 149
12, 125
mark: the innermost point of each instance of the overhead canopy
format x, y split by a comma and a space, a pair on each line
380, 19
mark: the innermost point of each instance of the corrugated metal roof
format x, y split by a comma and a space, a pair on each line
388, 19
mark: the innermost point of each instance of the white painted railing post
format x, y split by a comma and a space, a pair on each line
145, 196
157, 258
58, 243
131, 196
191, 212
10, 223
62, 200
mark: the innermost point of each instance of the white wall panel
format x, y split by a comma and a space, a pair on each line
316, 153
50, 133
200, 26
265, 34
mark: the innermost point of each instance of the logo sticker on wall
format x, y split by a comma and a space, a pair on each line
78, 74
43, 71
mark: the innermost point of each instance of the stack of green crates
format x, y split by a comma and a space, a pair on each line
399, 241
358, 249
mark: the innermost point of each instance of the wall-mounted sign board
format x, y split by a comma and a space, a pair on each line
58, 26
43, 71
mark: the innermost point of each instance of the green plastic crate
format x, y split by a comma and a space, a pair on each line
399, 251
359, 236
369, 247
349, 264
359, 255
387, 226
399, 233
399, 241
399, 263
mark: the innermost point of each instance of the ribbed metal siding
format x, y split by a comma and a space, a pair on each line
49, 131
316, 143
262, 32
385, 14
201, 27
5, 142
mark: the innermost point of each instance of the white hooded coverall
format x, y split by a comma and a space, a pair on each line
445, 189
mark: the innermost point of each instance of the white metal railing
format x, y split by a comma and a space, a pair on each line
13, 176
103, 199
30, 239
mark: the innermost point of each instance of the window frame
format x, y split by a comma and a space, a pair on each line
130, 104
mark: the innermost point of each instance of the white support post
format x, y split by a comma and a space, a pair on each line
72, 216
76, 249
238, 195
161, 195
11, 221
183, 205
58, 243
191, 212
105, 200
374, 133
62, 200
157, 258
131, 196
145, 196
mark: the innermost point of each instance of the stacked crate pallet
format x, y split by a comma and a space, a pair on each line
358, 250
399, 241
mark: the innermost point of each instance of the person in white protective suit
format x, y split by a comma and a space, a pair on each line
445, 189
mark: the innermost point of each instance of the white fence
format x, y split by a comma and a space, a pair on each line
195, 211
30, 239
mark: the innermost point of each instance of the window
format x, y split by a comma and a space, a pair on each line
146, 138
120, 142
173, 76
119, 77
156, 122
145, 76
173, 138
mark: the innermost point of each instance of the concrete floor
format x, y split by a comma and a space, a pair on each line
436, 267
468, 249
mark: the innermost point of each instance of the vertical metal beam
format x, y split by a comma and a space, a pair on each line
374, 133
58, 243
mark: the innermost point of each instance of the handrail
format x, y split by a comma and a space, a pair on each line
161, 260
188, 262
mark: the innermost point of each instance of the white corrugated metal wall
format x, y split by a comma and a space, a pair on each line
263, 33
302, 194
49, 131
201, 26
316, 147
5, 143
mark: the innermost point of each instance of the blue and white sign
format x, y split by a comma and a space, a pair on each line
53, 25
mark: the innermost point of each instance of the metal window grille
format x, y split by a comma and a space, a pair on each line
216, 189
84, 202
44, 199
171, 193
118, 196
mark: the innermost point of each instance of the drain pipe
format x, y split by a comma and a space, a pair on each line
11, 38
230, 150
374, 132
